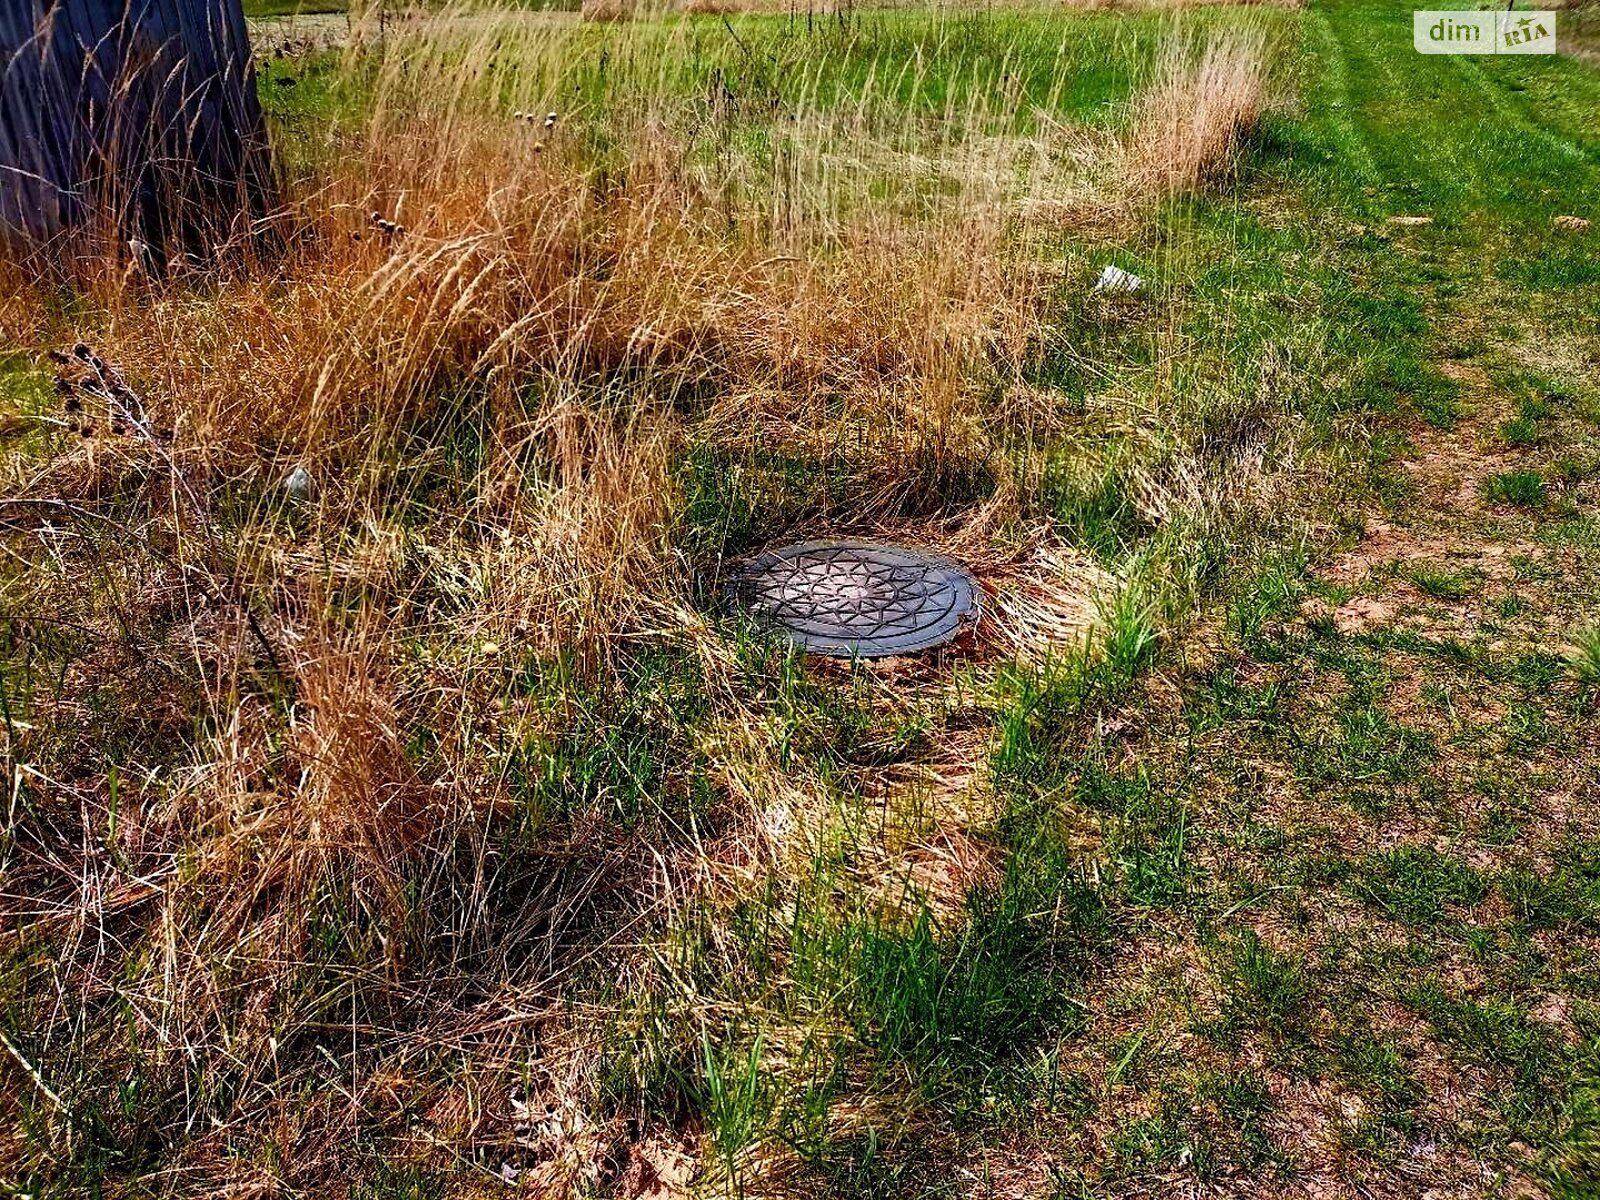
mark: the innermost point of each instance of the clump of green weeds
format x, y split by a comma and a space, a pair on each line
1583, 658
1523, 488
1440, 582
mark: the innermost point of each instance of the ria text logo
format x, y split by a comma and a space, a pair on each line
1460, 32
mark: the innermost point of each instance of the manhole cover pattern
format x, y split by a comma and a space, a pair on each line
864, 598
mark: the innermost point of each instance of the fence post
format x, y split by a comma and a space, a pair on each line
129, 127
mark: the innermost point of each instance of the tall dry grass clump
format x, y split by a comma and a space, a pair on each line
609, 10
393, 700
352, 744
1202, 101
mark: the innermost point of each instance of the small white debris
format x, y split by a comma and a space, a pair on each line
1570, 223
1411, 221
297, 484
1115, 279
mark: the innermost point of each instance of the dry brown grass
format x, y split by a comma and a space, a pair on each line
609, 10
324, 699
1203, 100
1169, 5
441, 251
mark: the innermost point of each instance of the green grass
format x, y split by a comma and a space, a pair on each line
1439, 582
1525, 488
1420, 887
1263, 988
1121, 909
1584, 658
289, 8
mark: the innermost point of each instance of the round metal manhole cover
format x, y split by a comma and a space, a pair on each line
857, 598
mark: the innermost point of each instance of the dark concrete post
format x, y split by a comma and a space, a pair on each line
129, 127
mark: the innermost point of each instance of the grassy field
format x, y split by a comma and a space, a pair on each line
290, 8
430, 830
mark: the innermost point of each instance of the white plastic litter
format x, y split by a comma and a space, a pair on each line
297, 486
1115, 279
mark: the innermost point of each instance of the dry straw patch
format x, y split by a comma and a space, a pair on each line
1202, 100
609, 10
1169, 5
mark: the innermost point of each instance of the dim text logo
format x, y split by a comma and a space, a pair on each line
1459, 32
